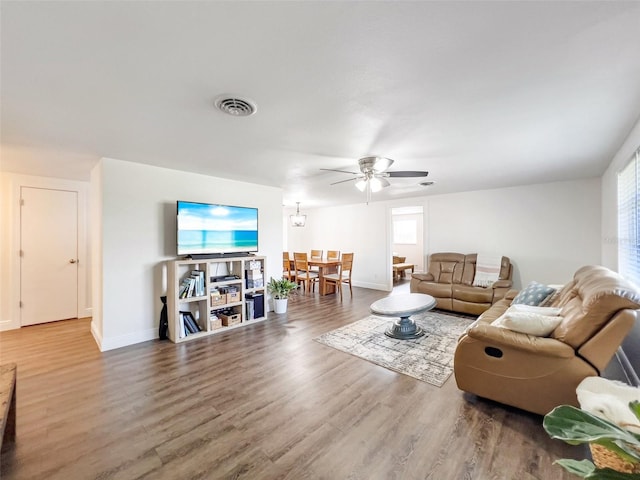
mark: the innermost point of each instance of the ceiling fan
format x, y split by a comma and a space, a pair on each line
373, 174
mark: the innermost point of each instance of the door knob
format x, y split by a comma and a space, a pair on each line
73, 260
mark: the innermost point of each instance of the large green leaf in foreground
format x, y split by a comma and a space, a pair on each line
576, 426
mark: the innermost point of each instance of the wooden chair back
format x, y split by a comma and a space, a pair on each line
333, 254
346, 264
316, 254
303, 274
343, 275
301, 261
285, 261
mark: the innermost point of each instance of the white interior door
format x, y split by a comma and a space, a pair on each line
49, 255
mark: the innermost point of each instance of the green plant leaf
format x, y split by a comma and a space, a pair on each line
635, 408
608, 474
576, 426
281, 288
582, 468
586, 469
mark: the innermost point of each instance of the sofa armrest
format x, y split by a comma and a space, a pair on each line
503, 338
511, 294
425, 277
502, 284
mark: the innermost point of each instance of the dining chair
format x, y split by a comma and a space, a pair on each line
303, 274
333, 254
343, 275
316, 255
287, 272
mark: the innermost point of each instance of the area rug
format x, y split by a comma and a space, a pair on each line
428, 358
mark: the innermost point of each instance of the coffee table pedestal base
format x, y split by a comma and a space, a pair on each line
404, 329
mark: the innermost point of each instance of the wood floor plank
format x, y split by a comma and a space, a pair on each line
262, 402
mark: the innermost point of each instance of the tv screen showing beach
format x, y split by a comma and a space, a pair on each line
205, 228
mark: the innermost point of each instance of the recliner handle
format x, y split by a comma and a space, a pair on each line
493, 352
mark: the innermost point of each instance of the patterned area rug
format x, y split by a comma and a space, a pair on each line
428, 358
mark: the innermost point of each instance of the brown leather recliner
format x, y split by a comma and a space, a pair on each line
450, 281
539, 373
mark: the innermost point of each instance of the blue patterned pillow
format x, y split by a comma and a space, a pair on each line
534, 294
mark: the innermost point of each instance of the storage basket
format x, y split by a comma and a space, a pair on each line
605, 458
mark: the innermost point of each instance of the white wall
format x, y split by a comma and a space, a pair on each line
548, 230
137, 213
610, 198
6, 232
10, 243
361, 229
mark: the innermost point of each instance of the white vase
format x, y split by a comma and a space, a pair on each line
280, 305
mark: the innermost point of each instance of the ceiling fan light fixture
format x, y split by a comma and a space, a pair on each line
298, 220
374, 164
375, 184
361, 184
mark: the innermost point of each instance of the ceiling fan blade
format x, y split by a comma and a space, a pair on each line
341, 171
347, 180
407, 173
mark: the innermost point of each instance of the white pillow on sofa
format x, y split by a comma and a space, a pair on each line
531, 323
521, 307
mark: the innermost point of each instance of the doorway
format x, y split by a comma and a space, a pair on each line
407, 243
48, 255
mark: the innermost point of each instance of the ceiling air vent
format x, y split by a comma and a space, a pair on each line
238, 107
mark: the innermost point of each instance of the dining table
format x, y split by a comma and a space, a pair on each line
324, 266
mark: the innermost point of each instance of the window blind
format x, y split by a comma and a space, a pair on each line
629, 219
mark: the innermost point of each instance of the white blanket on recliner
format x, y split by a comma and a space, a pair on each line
487, 270
609, 399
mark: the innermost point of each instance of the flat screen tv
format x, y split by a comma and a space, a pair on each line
215, 230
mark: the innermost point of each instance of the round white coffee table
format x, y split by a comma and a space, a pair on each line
403, 306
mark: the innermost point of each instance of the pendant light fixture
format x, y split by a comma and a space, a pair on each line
298, 220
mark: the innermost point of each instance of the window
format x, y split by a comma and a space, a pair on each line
405, 231
629, 219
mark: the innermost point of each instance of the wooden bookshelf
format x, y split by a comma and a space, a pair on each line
244, 276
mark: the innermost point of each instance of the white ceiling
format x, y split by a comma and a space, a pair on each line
480, 94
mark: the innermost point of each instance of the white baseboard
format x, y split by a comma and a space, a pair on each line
372, 286
96, 335
111, 343
9, 325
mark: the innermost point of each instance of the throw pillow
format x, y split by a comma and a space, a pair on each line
528, 322
553, 296
533, 294
521, 307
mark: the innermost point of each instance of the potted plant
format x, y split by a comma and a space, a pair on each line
575, 426
280, 291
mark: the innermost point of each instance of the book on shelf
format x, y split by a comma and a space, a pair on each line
250, 309
184, 288
182, 332
199, 287
191, 326
193, 285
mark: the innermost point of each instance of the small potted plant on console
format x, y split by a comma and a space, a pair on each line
280, 291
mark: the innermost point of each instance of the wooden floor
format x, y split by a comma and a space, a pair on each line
262, 402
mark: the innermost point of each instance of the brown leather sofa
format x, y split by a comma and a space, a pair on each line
450, 281
536, 374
